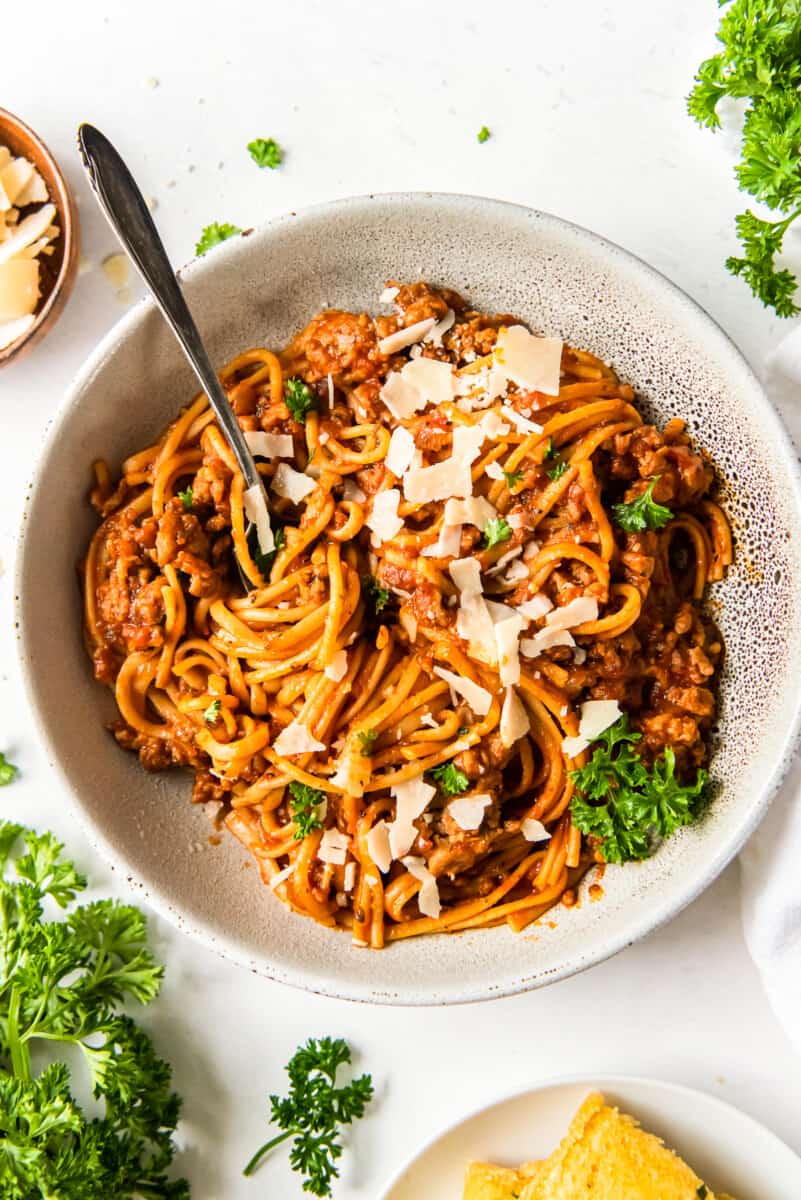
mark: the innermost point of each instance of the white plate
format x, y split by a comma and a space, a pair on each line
729, 1150
257, 289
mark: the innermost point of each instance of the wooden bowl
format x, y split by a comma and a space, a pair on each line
59, 270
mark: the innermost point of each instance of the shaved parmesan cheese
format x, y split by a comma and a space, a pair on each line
428, 897
352, 491
333, 847
466, 574
442, 326
353, 772
338, 666
475, 510
476, 696
534, 831
468, 811
15, 178
255, 507
27, 231
19, 288
504, 560
515, 573
296, 739
579, 655
515, 721
447, 545
583, 608
531, 362
378, 846
401, 397
411, 800
34, 192
400, 452
291, 484
433, 379
270, 445
11, 330
430, 720
474, 624
494, 470
596, 716
448, 478
388, 295
383, 519
493, 426
330, 382
280, 877
545, 640
519, 421
349, 878
406, 337
507, 625
536, 607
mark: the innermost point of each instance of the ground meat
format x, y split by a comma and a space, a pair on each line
417, 301
341, 344
156, 753
179, 530
426, 606
645, 452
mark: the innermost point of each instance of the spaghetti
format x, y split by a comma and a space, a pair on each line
388, 720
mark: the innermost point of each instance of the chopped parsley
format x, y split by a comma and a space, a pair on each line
215, 233
212, 713
186, 497
512, 478
550, 451
65, 984
266, 152
642, 513
628, 806
300, 399
8, 772
367, 739
483, 135
376, 595
759, 64
305, 803
496, 530
314, 1110
557, 471
450, 779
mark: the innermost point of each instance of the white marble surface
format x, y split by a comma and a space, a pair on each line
585, 103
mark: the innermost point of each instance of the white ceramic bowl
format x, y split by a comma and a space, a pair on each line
256, 290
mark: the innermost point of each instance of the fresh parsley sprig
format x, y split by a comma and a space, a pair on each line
187, 498
8, 772
65, 981
367, 740
496, 530
215, 233
300, 399
759, 62
642, 513
305, 803
450, 780
627, 806
314, 1110
376, 595
266, 152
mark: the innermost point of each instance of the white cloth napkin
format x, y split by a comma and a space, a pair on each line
771, 862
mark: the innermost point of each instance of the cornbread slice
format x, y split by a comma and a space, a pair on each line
606, 1156
485, 1181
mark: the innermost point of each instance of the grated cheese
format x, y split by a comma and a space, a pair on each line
536, 607
544, 640
447, 545
255, 507
476, 696
280, 877
475, 510
383, 519
349, 878
428, 897
435, 334
400, 452
494, 470
378, 846
411, 800
534, 831
400, 397
338, 667
388, 295
576, 612
519, 421
596, 716
515, 721
333, 847
432, 379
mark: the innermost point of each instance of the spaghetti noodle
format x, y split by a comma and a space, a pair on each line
385, 719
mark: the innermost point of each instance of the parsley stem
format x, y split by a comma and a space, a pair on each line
265, 1149
18, 1050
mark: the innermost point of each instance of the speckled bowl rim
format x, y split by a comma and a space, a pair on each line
304, 976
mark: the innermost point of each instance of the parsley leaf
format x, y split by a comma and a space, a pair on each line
760, 63
642, 513
65, 981
8, 772
483, 135
496, 530
626, 805
512, 478
376, 595
450, 779
213, 234
186, 497
300, 399
266, 152
367, 738
212, 713
556, 472
550, 450
314, 1110
305, 803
